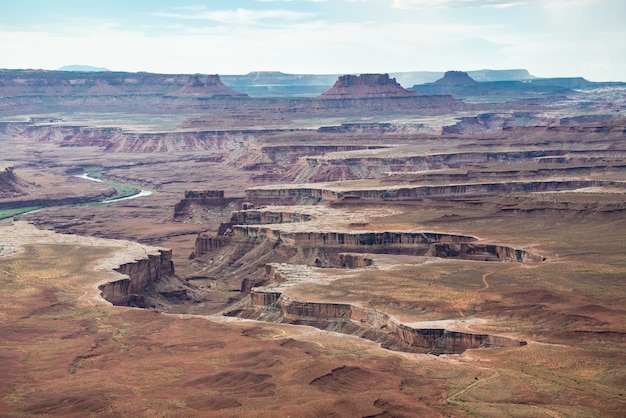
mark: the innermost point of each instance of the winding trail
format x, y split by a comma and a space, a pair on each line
471, 385
485, 282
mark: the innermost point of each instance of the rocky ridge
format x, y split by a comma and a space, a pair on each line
24, 83
11, 185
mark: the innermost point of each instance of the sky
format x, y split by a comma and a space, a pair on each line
550, 38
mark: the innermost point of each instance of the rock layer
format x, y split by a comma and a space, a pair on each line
309, 194
366, 86
16, 83
368, 323
139, 274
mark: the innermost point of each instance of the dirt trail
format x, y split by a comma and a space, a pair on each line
485, 282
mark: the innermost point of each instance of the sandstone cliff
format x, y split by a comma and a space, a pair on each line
139, 274
324, 249
307, 194
366, 86
367, 323
20, 83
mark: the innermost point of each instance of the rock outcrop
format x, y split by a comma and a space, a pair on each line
208, 205
11, 185
139, 274
324, 249
206, 243
366, 86
354, 261
308, 194
367, 323
121, 140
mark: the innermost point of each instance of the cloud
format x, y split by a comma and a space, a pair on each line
422, 4
238, 16
497, 4
566, 4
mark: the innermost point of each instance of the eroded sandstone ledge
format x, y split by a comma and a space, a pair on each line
139, 274
330, 244
327, 191
371, 324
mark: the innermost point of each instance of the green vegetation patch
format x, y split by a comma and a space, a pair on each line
9, 213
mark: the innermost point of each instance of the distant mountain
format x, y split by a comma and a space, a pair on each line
535, 90
83, 68
277, 84
411, 78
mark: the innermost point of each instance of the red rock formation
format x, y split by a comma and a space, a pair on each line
257, 217
366, 86
36, 82
371, 324
313, 244
212, 201
309, 194
139, 274
11, 185
120, 140
354, 261
206, 244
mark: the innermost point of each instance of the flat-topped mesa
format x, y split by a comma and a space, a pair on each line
14, 83
457, 78
366, 86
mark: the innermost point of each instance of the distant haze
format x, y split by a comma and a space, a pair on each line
84, 68
550, 38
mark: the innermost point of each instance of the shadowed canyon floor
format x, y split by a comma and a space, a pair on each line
390, 262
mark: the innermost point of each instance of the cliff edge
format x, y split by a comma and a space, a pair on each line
366, 86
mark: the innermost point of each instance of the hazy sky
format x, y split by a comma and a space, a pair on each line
547, 37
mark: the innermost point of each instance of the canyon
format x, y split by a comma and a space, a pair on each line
365, 249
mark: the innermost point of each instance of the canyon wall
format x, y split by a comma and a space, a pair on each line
256, 217
298, 194
20, 83
324, 249
370, 324
206, 243
139, 274
121, 140
210, 200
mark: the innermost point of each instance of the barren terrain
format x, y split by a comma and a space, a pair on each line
363, 255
